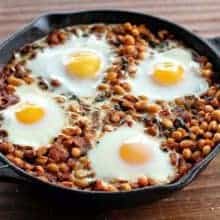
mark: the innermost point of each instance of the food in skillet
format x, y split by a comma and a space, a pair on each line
167, 75
128, 153
108, 107
35, 112
79, 63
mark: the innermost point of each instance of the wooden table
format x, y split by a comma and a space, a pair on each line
201, 199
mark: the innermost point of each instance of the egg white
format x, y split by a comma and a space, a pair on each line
40, 133
191, 84
107, 164
50, 63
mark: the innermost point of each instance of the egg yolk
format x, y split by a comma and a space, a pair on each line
84, 65
29, 114
134, 153
168, 73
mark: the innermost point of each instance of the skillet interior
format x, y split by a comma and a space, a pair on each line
41, 27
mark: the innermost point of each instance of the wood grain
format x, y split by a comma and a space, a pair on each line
201, 199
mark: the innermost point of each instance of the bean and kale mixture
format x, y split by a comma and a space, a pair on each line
189, 125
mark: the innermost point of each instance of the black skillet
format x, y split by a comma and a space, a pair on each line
41, 27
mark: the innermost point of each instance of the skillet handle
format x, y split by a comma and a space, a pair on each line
214, 43
8, 175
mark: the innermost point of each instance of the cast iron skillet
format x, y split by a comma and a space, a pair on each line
42, 26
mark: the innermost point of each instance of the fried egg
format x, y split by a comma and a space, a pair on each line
79, 64
168, 75
128, 153
35, 120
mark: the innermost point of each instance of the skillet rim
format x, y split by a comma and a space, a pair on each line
184, 180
